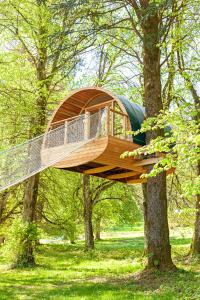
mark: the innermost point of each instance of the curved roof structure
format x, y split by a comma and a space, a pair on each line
136, 115
81, 99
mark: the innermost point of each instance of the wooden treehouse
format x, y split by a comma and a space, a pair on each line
105, 121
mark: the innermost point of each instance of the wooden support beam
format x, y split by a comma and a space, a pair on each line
118, 112
148, 161
98, 106
143, 180
122, 175
99, 170
135, 181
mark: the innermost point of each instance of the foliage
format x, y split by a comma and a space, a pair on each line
181, 144
17, 236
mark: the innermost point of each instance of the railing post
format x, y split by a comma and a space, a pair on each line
124, 127
87, 126
66, 133
113, 119
100, 131
107, 120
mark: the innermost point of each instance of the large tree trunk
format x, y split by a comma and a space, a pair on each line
155, 200
25, 255
87, 203
29, 217
195, 246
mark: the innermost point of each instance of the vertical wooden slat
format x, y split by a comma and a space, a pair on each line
66, 133
100, 124
107, 120
124, 127
87, 126
113, 118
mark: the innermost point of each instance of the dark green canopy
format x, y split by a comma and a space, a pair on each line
136, 115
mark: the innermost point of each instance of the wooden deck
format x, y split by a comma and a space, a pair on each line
101, 157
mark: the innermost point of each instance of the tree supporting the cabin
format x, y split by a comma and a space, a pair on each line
158, 247
155, 200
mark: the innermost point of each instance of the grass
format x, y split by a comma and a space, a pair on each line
109, 272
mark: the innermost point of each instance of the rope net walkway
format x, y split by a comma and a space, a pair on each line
25, 160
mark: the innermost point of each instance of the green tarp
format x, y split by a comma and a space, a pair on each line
136, 115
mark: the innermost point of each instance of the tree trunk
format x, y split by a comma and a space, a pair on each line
87, 203
98, 229
195, 246
155, 199
3, 201
25, 256
29, 218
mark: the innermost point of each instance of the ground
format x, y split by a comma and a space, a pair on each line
112, 271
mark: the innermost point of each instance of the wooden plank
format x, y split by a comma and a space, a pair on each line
110, 158
99, 170
112, 119
122, 175
76, 105
97, 106
64, 120
143, 180
111, 155
118, 112
87, 153
138, 180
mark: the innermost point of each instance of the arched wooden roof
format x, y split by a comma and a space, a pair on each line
83, 98
79, 99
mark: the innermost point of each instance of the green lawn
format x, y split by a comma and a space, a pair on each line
110, 272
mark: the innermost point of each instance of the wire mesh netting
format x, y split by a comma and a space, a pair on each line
25, 160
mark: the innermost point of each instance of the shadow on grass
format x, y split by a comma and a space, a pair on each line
71, 256
178, 285
68, 256
67, 272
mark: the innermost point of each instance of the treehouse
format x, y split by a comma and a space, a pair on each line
96, 129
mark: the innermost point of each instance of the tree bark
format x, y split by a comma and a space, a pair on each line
195, 245
155, 199
87, 203
98, 229
25, 254
3, 201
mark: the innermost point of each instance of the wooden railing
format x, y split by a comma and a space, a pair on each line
116, 122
